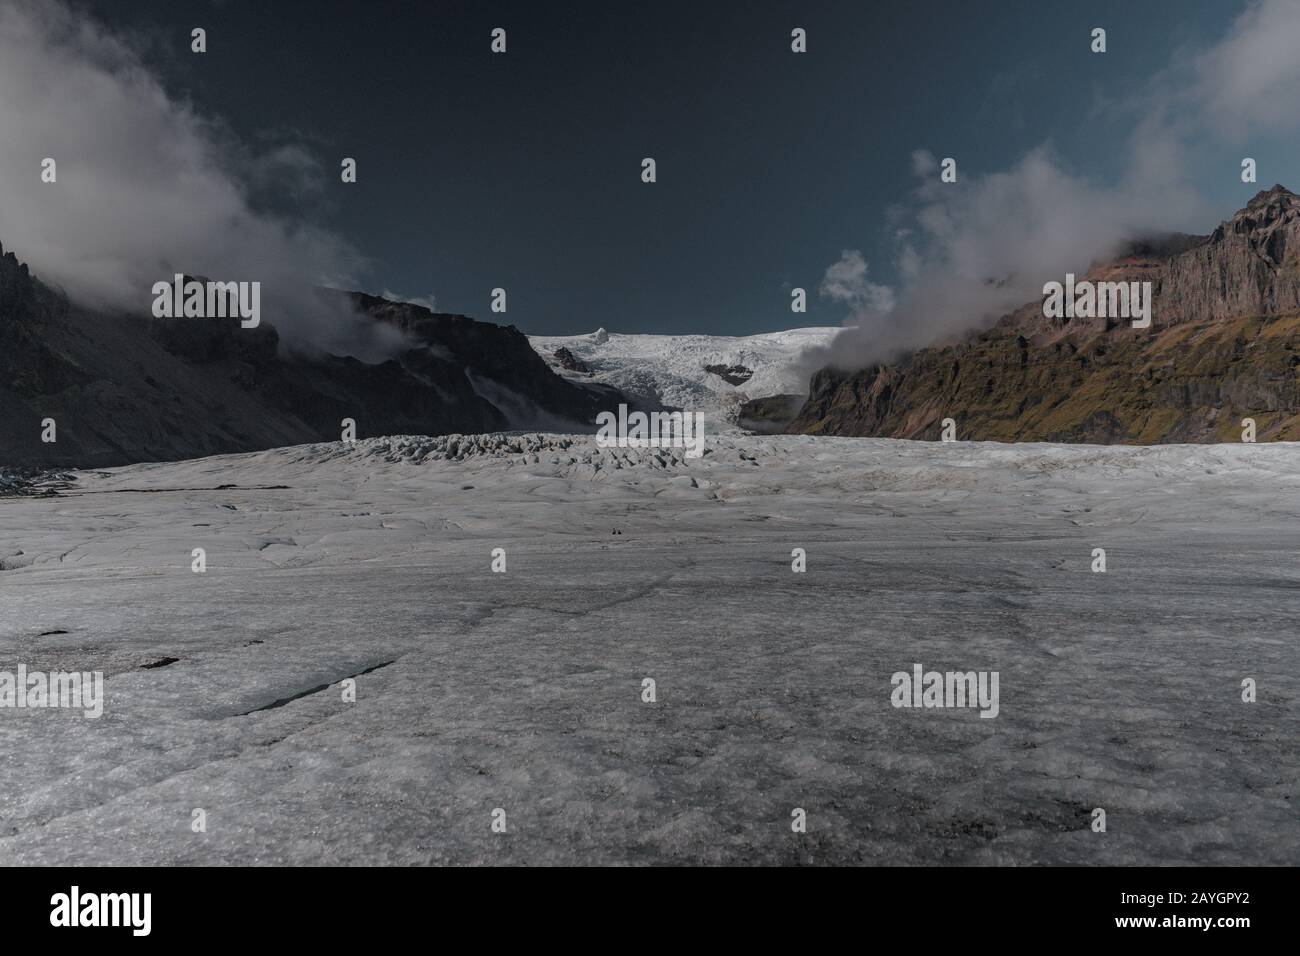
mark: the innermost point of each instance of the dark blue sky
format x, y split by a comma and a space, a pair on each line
478, 170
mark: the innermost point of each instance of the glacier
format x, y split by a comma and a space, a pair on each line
671, 370
523, 691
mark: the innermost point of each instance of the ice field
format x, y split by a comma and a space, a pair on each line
523, 691
672, 369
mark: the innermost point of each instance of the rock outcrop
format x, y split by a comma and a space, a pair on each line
731, 374
1223, 345
570, 362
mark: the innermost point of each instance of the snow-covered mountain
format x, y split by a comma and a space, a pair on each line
712, 374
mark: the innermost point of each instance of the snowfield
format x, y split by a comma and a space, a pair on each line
669, 370
522, 691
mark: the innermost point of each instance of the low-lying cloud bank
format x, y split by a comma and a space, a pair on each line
968, 253
146, 187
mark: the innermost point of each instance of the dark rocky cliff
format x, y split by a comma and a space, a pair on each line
127, 388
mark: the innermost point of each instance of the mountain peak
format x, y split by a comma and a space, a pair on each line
1267, 221
17, 289
1269, 206
1277, 193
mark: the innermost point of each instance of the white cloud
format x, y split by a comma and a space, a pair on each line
1252, 78
923, 162
147, 187
974, 250
846, 282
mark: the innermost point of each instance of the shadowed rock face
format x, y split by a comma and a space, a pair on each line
1224, 344
125, 388
770, 415
731, 374
567, 360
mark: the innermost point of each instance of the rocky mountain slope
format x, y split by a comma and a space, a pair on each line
129, 388
1223, 345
